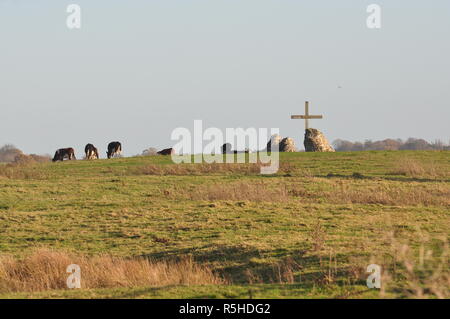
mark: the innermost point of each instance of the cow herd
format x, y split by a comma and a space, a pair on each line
114, 148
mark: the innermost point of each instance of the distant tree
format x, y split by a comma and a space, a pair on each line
8, 153
389, 145
438, 145
386, 145
416, 145
358, 146
368, 145
343, 146
376, 146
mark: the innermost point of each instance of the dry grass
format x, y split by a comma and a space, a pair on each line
407, 270
256, 191
215, 169
46, 269
417, 273
285, 271
342, 192
386, 194
415, 168
24, 159
318, 237
199, 169
24, 167
378, 192
22, 170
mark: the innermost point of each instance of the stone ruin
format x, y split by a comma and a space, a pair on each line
315, 141
286, 144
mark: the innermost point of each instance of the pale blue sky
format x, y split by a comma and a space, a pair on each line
138, 69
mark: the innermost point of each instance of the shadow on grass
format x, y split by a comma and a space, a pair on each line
267, 291
388, 178
243, 265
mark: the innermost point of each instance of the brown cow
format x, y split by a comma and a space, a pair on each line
167, 151
63, 153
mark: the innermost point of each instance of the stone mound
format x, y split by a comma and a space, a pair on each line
315, 141
287, 144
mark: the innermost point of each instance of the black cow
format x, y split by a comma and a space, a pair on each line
91, 152
226, 149
167, 151
63, 153
113, 149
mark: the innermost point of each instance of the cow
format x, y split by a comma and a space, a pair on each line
114, 148
167, 151
91, 152
63, 153
226, 149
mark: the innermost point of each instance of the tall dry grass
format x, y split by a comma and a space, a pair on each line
21, 171
386, 194
284, 271
408, 270
419, 169
339, 193
24, 167
417, 273
45, 269
24, 159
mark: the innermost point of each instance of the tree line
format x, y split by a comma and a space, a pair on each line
415, 144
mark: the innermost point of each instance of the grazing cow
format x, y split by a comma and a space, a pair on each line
114, 148
63, 153
91, 152
167, 151
226, 149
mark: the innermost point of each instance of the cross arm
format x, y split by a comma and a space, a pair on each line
294, 117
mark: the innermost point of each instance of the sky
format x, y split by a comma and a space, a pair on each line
136, 70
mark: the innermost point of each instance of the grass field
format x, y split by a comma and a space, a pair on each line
310, 231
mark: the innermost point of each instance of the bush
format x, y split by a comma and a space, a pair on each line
8, 153
24, 159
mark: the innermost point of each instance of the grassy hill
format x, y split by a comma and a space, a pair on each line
309, 231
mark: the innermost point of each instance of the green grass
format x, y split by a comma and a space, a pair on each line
109, 206
266, 291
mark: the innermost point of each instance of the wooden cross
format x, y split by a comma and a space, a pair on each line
306, 117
